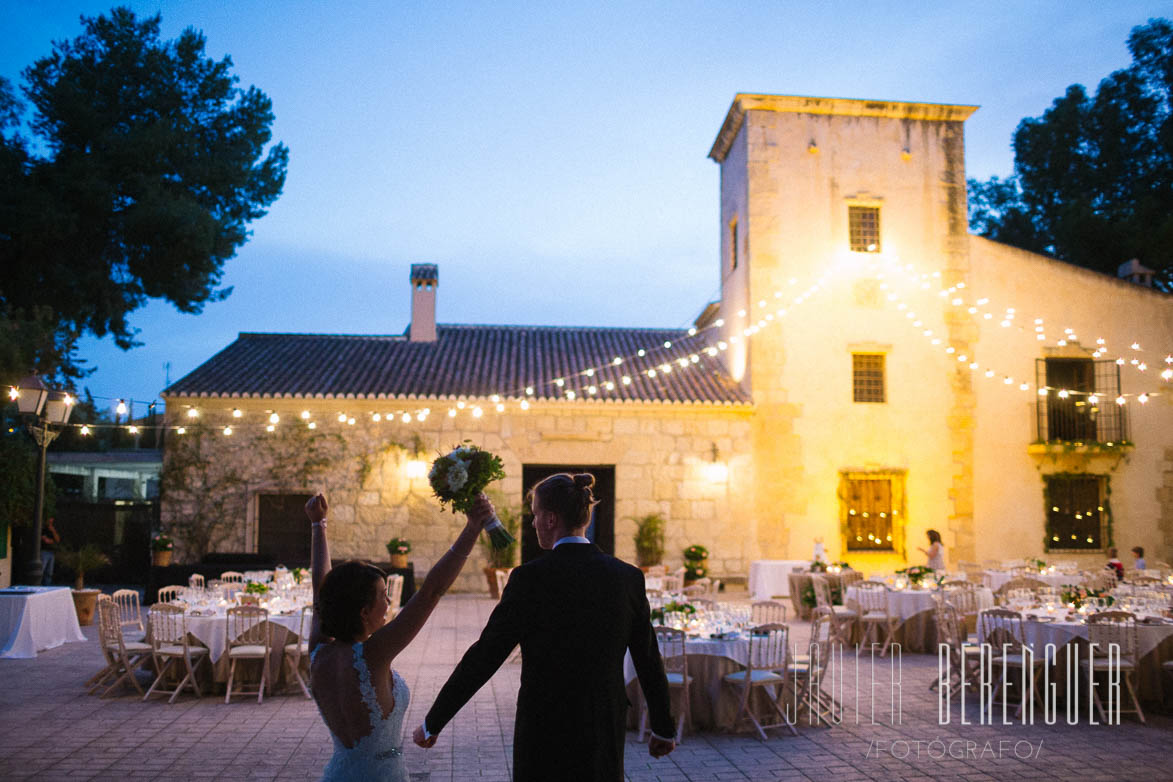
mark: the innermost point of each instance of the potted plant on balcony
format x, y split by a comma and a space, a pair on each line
80, 561
503, 558
162, 549
399, 548
696, 564
649, 540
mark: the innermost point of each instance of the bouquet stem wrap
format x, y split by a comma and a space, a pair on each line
498, 535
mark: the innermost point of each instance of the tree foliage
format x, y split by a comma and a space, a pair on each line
18, 480
1093, 176
135, 178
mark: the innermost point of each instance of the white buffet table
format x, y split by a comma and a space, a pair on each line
33, 619
769, 577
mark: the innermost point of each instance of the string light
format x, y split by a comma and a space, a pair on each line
85, 430
121, 408
236, 413
193, 413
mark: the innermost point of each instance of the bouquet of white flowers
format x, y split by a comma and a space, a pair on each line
460, 476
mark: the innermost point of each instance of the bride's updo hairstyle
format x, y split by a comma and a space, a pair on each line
568, 496
346, 591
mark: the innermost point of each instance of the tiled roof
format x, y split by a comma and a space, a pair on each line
471, 361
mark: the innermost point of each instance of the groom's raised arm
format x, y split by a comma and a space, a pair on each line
501, 634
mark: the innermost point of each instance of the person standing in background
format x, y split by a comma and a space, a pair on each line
49, 541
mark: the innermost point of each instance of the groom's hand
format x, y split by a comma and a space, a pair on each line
658, 747
418, 738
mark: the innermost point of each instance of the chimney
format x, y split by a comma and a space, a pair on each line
1135, 273
425, 278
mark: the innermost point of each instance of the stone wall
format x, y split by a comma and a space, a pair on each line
660, 454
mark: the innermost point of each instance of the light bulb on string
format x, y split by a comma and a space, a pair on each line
342, 418
274, 418
193, 412
312, 425
132, 429
121, 408
236, 413
228, 431
85, 430
305, 415
181, 430
477, 412
406, 418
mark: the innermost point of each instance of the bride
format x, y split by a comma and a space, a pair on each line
362, 700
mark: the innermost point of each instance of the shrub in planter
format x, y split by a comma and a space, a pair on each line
398, 548
649, 540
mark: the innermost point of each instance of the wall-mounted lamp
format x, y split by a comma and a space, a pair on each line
416, 468
716, 471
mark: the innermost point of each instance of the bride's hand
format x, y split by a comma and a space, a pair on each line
316, 508
481, 511
418, 738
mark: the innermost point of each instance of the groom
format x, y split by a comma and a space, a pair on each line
575, 612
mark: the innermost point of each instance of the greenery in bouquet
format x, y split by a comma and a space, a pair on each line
917, 573
162, 542
398, 546
298, 574
672, 607
256, 588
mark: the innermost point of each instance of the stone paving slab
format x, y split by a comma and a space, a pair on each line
51, 730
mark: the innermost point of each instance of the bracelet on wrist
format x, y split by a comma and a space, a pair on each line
457, 553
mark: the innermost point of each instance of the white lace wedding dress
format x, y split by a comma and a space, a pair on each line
377, 756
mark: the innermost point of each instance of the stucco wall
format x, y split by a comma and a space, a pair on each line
1010, 498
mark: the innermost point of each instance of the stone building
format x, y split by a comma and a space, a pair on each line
871, 371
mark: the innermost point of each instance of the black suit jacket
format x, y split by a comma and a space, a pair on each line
575, 611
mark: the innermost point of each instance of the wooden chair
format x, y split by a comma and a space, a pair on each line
656, 570
169, 644
695, 591
1013, 584
100, 677
169, 594
130, 615
671, 643
123, 657
395, 593
502, 579
672, 582
1100, 579
767, 612
232, 577
766, 667
196, 581
1002, 629
879, 626
842, 618
1144, 580
294, 652
249, 638
806, 672
964, 596
1106, 628
964, 657
973, 571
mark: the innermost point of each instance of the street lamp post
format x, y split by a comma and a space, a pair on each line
47, 408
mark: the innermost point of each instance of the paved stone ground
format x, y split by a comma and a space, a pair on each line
50, 729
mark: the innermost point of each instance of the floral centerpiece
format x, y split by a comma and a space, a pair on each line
462, 474
918, 573
819, 566
1037, 564
298, 574
672, 607
1076, 596
695, 563
256, 588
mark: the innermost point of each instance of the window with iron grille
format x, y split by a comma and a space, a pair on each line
1077, 401
1076, 511
867, 377
863, 226
870, 513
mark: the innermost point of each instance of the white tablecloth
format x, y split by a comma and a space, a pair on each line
769, 577
907, 603
1059, 633
212, 630
33, 619
736, 649
996, 578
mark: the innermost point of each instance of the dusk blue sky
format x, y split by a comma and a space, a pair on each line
551, 160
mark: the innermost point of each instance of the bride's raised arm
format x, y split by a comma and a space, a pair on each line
319, 559
389, 640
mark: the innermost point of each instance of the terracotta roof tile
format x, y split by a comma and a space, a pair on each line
471, 361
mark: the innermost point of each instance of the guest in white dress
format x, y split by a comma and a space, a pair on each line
935, 552
361, 700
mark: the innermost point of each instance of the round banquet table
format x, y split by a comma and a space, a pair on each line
712, 705
996, 578
915, 612
799, 582
212, 632
1154, 646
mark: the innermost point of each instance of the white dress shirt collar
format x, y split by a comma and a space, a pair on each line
571, 539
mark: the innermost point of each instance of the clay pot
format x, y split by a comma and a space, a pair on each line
84, 603
162, 558
398, 560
